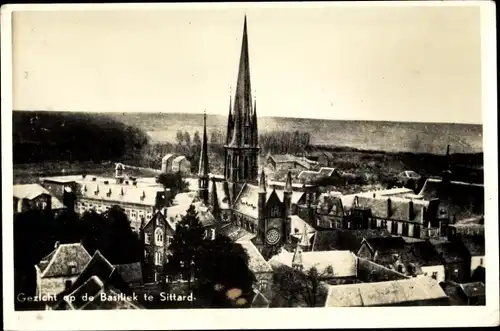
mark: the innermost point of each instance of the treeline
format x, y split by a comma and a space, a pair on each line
40, 136
284, 142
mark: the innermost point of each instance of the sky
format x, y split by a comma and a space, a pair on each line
390, 63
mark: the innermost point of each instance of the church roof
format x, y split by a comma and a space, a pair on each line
59, 262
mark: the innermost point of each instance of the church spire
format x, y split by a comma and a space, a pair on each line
243, 98
203, 170
255, 130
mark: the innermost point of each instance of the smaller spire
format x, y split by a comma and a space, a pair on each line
262, 181
297, 258
288, 184
203, 169
304, 240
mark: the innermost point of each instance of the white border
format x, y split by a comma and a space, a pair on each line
254, 318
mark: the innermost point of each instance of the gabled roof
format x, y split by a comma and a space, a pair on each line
259, 300
340, 239
283, 158
386, 244
32, 191
247, 201
236, 233
167, 157
256, 263
385, 293
464, 199
66, 260
472, 290
451, 251
175, 213
474, 244
130, 272
342, 263
94, 287
178, 159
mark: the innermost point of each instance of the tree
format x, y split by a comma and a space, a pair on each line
174, 182
187, 138
196, 139
211, 267
214, 137
296, 288
180, 137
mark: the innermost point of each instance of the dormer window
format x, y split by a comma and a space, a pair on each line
72, 267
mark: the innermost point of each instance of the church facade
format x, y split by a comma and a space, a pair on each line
242, 197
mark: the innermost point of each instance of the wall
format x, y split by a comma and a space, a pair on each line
54, 285
439, 269
133, 212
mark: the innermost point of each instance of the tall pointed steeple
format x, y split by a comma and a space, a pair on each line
243, 98
255, 130
242, 149
203, 169
214, 205
288, 183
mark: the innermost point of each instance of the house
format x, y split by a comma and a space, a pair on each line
465, 294
401, 216
181, 164
456, 259
95, 283
287, 161
329, 264
324, 158
330, 176
412, 259
158, 233
340, 239
475, 293
329, 211
166, 163
34, 196
58, 270
460, 200
260, 268
422, 291
476, 248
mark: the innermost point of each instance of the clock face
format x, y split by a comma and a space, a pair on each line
273, 236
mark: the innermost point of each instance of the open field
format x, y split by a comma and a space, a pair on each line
366, 135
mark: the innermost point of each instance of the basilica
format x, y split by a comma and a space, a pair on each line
242, 202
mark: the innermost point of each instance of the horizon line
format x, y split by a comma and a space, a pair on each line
217, 114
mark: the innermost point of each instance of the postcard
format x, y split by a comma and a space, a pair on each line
228, 166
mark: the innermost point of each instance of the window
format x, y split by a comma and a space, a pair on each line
159, 237
275, 212
156, 277
147, 239
146, 254
168, 240
158, 222
158, 258
262, 285
481, 261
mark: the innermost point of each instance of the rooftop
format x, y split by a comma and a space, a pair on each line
340, 239
331, 263
32, 191
66, 260
387, 293
256, 263
475, 289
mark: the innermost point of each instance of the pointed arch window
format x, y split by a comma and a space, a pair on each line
245, 168
159, 237
158, 258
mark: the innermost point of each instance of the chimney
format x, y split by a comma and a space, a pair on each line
389, 207
106, 182
83, 176
56, 245
134, 183
94, 179
411, 210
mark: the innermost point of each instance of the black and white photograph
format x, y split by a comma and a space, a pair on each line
182, 158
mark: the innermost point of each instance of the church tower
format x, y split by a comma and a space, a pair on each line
203, 170
242, 148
